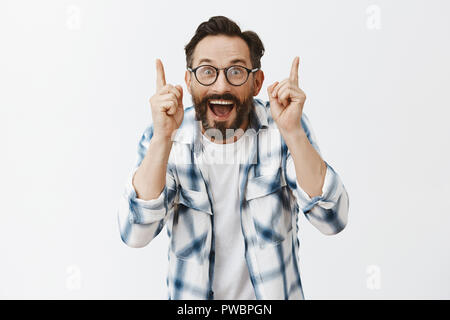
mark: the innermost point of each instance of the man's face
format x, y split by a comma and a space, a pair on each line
221, 105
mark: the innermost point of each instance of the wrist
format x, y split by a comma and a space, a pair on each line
294, 135
162, 145
162, 139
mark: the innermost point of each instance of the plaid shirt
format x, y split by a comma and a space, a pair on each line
270, 200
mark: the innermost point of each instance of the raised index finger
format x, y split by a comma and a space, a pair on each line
160, 76
294, 70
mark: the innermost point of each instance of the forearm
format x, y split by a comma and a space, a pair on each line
150, 178
310, 169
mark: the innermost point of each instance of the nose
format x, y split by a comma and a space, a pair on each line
221, 85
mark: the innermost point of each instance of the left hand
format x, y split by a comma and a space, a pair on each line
287, 100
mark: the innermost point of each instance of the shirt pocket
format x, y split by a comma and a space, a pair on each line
191, 227
267, 202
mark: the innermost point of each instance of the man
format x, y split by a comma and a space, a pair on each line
228, 176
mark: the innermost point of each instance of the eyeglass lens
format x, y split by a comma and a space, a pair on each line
207, 75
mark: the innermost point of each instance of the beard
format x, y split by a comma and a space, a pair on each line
243, 109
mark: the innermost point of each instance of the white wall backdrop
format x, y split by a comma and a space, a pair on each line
75, 79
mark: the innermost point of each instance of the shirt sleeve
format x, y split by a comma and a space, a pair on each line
329, 211
142, 220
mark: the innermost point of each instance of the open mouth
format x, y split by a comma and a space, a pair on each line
221, 108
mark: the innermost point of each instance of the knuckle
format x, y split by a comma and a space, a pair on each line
153, 99
173, 99
164, 89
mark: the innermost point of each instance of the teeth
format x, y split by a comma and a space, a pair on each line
220, 101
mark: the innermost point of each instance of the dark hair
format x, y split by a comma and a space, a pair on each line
222, 25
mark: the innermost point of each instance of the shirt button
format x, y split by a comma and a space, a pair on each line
131, 219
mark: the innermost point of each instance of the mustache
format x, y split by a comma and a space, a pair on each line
225, 96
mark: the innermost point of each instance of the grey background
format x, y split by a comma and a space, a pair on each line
75, 81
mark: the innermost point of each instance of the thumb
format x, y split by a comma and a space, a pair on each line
180, 90
270, 90
275, 107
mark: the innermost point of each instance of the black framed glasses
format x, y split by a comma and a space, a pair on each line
235, 75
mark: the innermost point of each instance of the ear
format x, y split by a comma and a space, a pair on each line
187, 80
258, 82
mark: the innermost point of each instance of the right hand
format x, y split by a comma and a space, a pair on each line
166, 104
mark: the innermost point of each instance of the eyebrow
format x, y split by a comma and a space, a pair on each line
232, 61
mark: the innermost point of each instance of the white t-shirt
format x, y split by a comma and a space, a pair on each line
231, 277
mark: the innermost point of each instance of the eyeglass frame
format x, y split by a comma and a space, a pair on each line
225, 71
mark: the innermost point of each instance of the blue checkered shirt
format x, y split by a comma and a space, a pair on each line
270, 201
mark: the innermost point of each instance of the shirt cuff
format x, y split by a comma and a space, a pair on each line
144, 211
329, 196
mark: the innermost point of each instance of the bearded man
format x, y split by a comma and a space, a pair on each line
229, 175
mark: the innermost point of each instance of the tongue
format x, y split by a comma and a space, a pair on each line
220, 109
